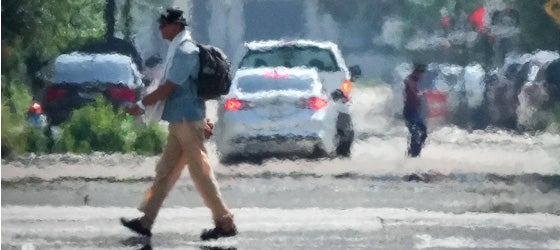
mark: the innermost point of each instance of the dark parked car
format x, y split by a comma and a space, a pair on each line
81, 78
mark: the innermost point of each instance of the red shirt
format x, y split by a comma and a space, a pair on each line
412, 100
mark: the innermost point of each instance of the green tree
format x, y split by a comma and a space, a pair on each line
538, 28
35, 31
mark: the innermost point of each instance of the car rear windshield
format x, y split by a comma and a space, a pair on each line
258, 83
291, 56
95, 68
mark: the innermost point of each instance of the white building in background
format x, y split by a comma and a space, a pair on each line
229, 23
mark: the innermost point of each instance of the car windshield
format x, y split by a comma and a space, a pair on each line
91, 68
291, 56
274, 82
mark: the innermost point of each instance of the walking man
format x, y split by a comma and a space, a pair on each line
413, 111
185, 113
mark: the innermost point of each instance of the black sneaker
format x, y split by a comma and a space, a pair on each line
215, 233
136, 226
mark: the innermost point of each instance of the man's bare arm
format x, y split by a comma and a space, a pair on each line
161, 93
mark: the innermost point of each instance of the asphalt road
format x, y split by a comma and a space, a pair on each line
477, 190
372, 200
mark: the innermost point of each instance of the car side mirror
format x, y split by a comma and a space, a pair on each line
355, 72
337, 95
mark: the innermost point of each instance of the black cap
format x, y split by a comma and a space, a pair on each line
173, 16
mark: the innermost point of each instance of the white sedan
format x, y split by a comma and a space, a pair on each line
282, 112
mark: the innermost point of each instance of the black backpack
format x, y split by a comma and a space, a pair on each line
214, 77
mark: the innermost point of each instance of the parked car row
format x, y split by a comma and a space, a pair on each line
288, 98
535, 81
509, 97
292, 97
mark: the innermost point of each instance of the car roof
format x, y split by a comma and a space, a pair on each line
110, 68
260, 45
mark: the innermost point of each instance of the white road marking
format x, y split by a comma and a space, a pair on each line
85, 222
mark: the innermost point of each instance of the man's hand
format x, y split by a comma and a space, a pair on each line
134, 110
208, 128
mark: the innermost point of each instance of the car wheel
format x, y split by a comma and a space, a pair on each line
6, 151
235, 159
318, 152
345, 134
228, 159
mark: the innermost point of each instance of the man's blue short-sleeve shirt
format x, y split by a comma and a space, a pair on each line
183, 104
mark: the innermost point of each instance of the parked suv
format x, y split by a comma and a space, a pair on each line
326, 59
80, 78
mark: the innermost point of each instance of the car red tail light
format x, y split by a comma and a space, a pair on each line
317, 103
233, 104
55, 94
123, 94
346, 87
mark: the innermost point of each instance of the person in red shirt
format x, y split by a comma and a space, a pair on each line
413, 111
35, 115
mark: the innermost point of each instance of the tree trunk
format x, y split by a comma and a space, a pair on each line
127, 20
110, 19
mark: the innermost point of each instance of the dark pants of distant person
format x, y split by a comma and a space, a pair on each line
418, 132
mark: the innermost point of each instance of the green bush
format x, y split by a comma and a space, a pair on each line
17, 96
18, 136
149, 140
13, 132
97, 127
36, 140
92, 128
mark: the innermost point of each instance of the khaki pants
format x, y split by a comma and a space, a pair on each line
185, 145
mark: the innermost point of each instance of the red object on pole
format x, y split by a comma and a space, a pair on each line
477, 19
446, 21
